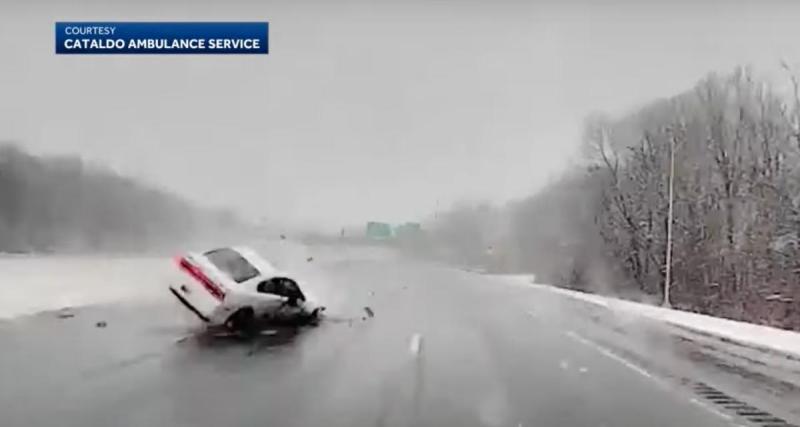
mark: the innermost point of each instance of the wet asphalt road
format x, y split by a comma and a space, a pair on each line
485, 354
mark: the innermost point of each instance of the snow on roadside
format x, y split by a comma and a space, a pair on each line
30, 284
780, 340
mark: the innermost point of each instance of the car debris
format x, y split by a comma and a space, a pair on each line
235, 288
65, 313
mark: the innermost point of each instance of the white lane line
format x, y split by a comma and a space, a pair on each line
608, 353
711, 409
574, 335
415, 345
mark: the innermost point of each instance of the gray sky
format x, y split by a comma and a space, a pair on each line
366, 110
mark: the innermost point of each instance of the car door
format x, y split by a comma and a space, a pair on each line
265, 299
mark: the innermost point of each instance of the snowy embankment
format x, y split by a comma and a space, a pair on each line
30, 284
765, 338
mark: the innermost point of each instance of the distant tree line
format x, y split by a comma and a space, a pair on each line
62, 204
602, 226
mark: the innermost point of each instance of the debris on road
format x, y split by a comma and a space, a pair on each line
101, 324
309, 259
369, 312
65, 313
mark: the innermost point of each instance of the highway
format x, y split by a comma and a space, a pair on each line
444, 348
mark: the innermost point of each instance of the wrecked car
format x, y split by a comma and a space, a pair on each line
234, 287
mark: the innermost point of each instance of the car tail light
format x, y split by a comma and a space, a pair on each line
214, 289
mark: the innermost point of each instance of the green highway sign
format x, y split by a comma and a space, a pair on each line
379, 230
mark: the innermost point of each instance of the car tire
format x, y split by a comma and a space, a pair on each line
242, 320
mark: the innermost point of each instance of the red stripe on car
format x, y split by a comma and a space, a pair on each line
198, 274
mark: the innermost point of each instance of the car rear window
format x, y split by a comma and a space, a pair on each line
232, 264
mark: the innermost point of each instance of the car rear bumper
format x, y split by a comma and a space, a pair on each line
189, 305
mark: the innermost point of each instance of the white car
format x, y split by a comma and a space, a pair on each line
235, 287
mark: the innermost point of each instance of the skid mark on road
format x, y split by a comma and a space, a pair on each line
119, 365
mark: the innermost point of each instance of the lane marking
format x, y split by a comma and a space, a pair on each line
711, 409
415, 345
608, 353
574, 335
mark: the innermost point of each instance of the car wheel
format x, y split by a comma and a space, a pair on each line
243, 320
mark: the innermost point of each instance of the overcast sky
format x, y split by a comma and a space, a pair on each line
366, 110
